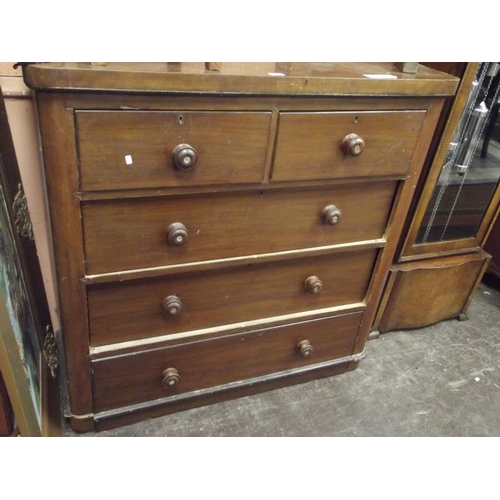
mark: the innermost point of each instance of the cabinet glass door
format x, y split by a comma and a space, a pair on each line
457, 206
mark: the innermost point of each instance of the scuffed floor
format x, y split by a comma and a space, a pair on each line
443, 380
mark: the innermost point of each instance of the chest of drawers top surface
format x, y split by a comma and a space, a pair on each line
303, 78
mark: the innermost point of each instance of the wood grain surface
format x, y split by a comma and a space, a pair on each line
135, 378
132, 234
309, 144
133, 149
133, 309
301, 78
425, 292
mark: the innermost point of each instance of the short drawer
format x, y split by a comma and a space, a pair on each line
151, 307
146, 376
130, 234
135, 149
309, 145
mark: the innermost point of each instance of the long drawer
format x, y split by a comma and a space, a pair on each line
144, 308
135, 149
136, 378
315, 145
168, 231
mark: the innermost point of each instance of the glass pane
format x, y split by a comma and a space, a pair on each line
471, 169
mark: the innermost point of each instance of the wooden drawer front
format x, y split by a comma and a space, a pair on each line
132, 149
133, 310
309, 144
137, 378
130, 234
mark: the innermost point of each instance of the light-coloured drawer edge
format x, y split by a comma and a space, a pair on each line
125, 348
230, 262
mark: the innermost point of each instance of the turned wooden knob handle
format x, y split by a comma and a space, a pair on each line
177, 234
172, 305
185, 156
171, 377
304, 348
353, 145
331, 215
313, 284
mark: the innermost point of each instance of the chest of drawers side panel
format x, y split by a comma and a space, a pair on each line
60, 163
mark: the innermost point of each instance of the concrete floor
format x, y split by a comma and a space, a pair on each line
442, 380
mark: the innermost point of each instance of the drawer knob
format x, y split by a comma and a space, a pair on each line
172, 305
353, 145
171, 377
177, 234
313, 284
185, 156
304, 348
331, 215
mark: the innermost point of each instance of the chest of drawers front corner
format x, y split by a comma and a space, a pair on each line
217, 236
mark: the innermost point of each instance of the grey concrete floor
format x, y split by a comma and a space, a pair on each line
443, 380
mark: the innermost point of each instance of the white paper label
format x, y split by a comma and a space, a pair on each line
382, 77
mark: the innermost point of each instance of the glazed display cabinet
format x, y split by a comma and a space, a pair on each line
441, 259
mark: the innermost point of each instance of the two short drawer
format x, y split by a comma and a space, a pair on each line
140, 377
152, 149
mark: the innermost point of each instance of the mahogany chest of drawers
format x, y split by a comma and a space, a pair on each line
222, 233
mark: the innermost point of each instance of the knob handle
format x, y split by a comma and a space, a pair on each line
331, 215
177, 234
171, 377
304, 348
313, 284
185, 156
172, 305
352, 145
